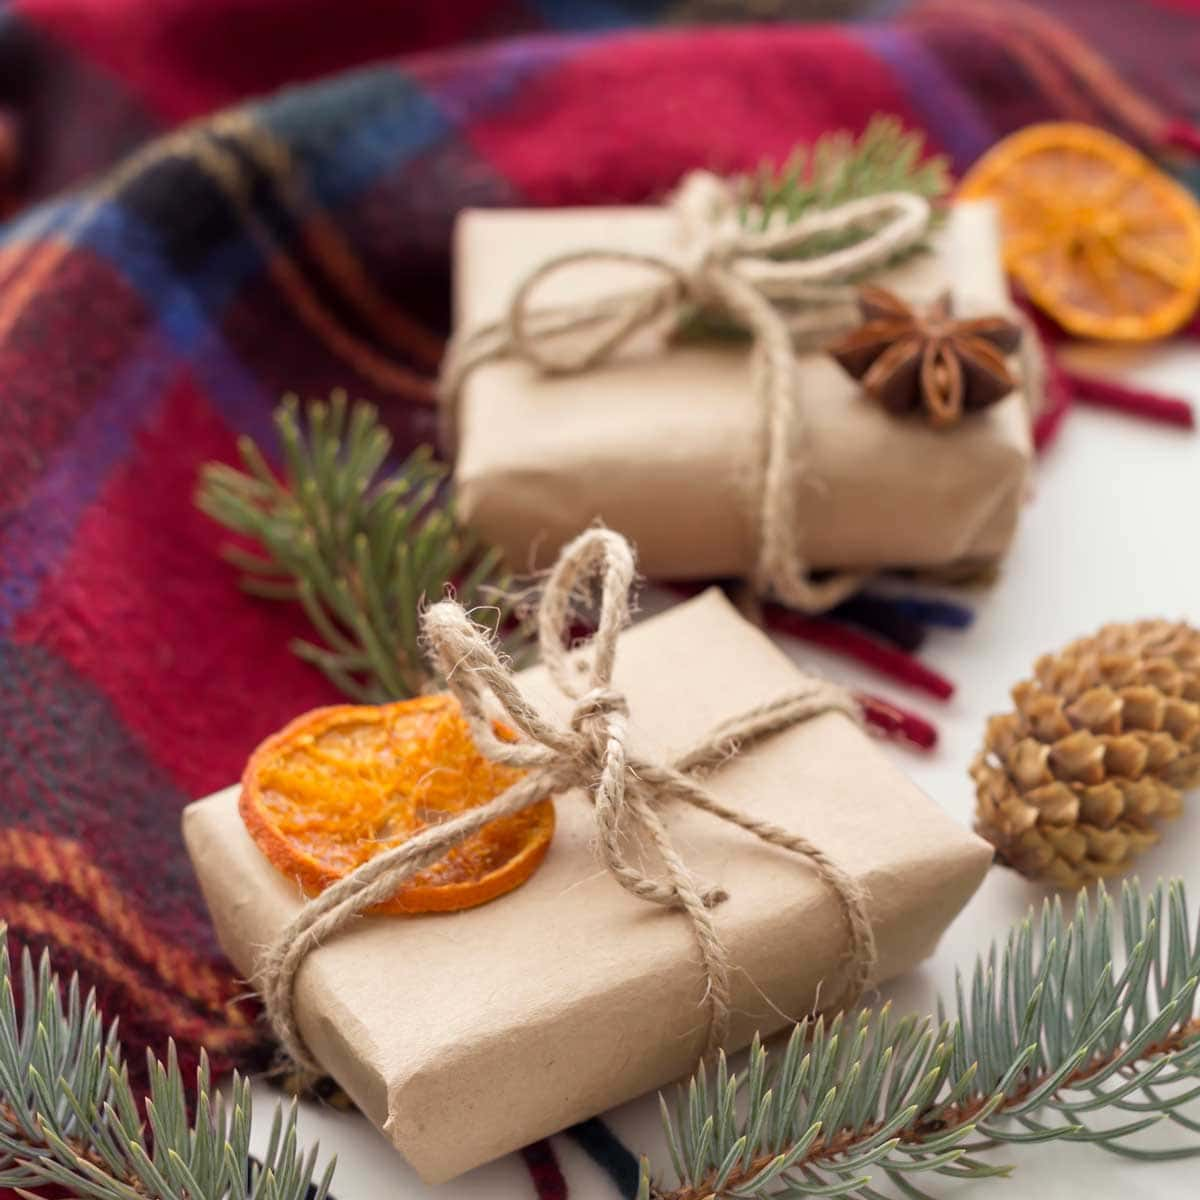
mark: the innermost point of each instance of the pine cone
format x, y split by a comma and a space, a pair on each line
1075, 782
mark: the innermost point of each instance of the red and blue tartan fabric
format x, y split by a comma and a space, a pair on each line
301, 241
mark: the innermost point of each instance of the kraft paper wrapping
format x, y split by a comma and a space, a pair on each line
660, 445
467, 1035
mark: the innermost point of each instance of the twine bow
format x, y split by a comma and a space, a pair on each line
740, 275
589, 752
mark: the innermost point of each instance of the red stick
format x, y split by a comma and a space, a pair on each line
841, 639
1058, 396
1104, 393
1058, 403
897, 723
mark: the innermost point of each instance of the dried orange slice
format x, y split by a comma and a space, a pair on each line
1100, 238
339, 785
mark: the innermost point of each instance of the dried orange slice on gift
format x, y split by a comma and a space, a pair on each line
339, 785
1099, 237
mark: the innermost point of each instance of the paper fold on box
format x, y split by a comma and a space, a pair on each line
467, 1035
661, 443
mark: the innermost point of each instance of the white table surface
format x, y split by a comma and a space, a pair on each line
1109, 534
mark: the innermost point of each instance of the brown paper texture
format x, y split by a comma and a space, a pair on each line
467, 1035
660, 444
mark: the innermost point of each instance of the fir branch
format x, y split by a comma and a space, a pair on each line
357, 552
839, 167
1047, 1036
69, 1119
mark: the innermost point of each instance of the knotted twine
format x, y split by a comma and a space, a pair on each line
590, 753
735, 274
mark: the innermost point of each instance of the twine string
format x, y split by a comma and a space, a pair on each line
740, 275
590, 752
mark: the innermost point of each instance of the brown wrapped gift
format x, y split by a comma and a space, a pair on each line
466, 1035
660, 443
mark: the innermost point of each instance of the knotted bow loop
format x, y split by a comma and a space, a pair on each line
588, 752
473, 670
591, 751
571, 338
890, 222
608, 558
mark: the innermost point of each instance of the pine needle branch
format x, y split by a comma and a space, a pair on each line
839, 167
357, 551
69, 1120
1048, 1041
1081, 1030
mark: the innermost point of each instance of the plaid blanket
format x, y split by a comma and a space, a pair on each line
174, 278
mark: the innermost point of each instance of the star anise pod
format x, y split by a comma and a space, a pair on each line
908, 359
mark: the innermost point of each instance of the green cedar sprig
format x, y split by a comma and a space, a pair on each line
360, 552
1053, 1031
69, 1118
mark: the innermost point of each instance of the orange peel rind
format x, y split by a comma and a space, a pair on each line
1100, 239
339, 785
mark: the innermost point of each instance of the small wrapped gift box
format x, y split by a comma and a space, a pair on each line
660, 441
467, 1035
